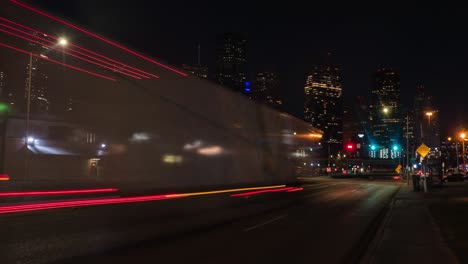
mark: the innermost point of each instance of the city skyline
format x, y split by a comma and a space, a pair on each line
411, 39
323, 91
125, 144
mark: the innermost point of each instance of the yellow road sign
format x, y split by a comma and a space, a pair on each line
423, 150
398, 168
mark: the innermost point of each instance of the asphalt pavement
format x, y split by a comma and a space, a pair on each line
409, 233
328, 222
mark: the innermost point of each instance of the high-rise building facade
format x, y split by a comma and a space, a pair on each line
323, 102
355, 125
3, 91
426, 121
196, 69
39, 101
7, 95
37, 81
267, 89
231, 60
385, 115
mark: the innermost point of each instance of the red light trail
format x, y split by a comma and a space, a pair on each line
57, 62
295, 189
81, 58
262, 191
98, 37
57, 192
25, 27
78, 203
120, 200
123, 65
4, 177
78, 47
61, 50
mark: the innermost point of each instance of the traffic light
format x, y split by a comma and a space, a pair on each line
395, 148
373, 147
3, 107
350, 147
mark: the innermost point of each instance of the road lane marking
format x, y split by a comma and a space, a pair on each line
264, 223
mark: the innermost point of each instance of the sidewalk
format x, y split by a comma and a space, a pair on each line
409, 234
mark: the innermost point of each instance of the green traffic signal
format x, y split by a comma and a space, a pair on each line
3, 107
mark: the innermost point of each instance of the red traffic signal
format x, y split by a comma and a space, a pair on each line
350, 147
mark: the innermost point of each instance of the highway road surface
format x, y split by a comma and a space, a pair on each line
329, 221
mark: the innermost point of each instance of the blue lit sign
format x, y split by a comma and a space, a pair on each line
247, 84
247, 90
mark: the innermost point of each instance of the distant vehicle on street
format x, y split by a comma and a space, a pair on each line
454, 177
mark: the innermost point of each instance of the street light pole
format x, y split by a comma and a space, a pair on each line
463, 153
456, 150
63, 42
463, 135
429, 114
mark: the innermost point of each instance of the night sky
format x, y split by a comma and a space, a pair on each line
427, 44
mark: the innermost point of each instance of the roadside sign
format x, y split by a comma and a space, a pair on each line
398, 168
423, 150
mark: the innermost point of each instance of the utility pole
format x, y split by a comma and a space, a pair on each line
198, 54
407, 149
28, 110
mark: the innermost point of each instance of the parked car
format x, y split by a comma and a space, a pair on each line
454, 177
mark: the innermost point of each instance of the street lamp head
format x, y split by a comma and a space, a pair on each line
449, 139
463, 135
429, 113
62, 41
385, 110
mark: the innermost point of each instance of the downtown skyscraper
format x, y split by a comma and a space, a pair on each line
37, 81
426, 122
231, 60
3, 91
266, 89
197, 68
323, 102
385, 115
